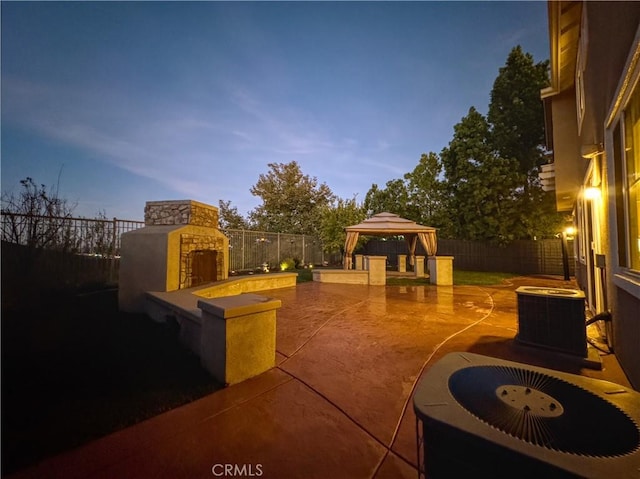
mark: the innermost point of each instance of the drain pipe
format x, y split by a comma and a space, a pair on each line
565, 255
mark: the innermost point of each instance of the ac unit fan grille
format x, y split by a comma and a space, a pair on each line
545, 411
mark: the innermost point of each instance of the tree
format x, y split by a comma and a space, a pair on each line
541, 218
335, 218
291, 201
425, 190
516, 112
38, 218
375, 200
394, 198
229, 218
480, 191
485, 184
516, 115
98, 235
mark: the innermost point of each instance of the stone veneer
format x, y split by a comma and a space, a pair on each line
180, 212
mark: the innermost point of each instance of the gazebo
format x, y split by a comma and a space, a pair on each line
387, 224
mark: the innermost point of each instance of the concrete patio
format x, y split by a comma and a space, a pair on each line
338, 404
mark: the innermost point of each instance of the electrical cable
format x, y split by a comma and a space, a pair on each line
606, 317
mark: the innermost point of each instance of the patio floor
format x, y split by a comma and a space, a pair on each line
338, 404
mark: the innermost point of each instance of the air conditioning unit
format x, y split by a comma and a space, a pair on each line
552, 318
484, 417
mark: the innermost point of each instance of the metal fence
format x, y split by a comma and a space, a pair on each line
253, 249
74, 235
101, 237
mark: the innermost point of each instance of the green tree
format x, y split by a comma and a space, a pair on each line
485, 184
516, 112
292, 202
374, 200
394, 198
335, 218
541, 219
229, 218
516, 116
480, 191
425, 190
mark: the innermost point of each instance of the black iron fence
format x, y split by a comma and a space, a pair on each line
100, 237
81, 250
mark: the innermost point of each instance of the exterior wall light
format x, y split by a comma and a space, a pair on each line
591, 193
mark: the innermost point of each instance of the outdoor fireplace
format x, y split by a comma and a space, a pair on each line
200, 267
179, 247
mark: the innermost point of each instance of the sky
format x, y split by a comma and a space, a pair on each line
119, 103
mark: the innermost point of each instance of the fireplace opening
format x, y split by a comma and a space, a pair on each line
202, 267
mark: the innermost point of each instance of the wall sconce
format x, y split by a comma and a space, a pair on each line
591, 193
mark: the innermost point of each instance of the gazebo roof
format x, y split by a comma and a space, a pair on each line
388, 223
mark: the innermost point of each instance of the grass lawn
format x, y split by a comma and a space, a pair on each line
74, 368
479, 278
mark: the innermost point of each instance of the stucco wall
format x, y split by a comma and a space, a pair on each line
569, 165
626, 334
144, 266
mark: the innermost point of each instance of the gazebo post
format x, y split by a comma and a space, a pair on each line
418, 268
402, 263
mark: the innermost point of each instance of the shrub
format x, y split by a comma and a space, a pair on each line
288, 264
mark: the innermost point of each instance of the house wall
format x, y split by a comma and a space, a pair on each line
626, 334
608, 35
605, 72
610, 30
569, 166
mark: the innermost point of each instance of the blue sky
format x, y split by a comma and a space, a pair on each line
128, 102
